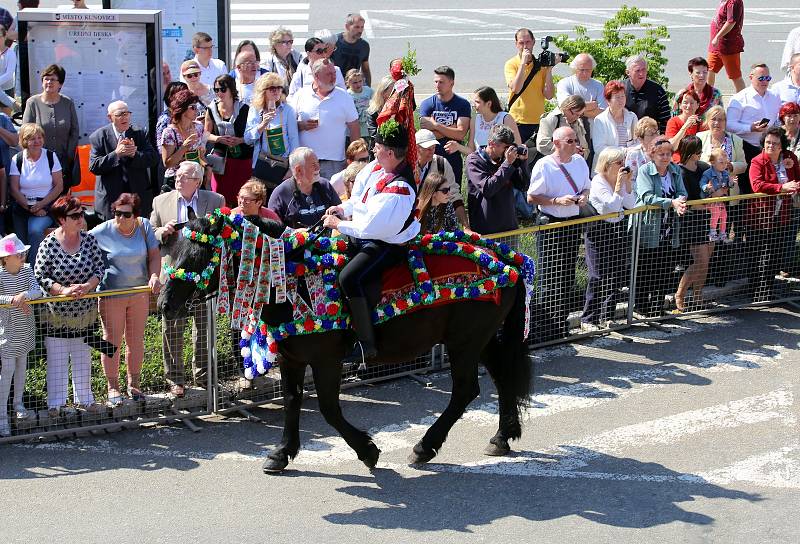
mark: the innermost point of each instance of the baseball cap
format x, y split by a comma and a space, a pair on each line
190, 67
425, 138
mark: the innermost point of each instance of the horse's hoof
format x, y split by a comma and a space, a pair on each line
371, 458
497, 450
420, 455
274, 466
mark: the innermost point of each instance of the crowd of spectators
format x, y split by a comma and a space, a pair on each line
284, 134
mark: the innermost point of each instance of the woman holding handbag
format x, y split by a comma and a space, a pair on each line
231, 159
271, 130
132, 258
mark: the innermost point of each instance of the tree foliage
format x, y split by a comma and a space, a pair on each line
617, 42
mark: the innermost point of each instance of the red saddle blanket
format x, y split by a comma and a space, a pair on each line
443, 269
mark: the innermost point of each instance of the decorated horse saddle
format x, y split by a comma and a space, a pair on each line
441, 268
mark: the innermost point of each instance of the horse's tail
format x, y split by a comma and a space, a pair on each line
510, 366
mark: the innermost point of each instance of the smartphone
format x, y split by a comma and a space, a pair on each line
764, 121
625, 169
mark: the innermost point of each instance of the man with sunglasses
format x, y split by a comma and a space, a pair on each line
315, 49
751, 112
560, 188
210, 68
492, 173
121, 158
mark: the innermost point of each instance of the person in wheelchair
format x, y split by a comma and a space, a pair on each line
382, 221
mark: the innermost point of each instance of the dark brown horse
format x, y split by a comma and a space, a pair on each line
473, 331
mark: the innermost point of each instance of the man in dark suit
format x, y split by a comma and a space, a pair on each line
121, 157
170, 210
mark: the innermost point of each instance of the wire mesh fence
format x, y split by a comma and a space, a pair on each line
98, 364
594, 275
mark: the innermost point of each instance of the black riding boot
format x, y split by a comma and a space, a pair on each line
361, 320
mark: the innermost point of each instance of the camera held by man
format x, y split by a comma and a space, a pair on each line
547, 57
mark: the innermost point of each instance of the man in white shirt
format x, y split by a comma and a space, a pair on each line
791, 47
789, 87
326, 115
753, 110
560, 188
582, 83
246, 71
210, 68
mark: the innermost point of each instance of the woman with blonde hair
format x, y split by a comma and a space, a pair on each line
35, 182
271, 126
382, 93
606, 241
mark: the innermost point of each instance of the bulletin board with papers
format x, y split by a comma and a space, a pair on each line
108, 55
180, 19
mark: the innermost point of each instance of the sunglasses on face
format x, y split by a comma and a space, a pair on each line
126, 215
275, 88
764, 78
76, 216
443, 190
320, 51
286, 42
192, 75
220, 89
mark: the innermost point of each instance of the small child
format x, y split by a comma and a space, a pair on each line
17, 286
361, 96
715, 183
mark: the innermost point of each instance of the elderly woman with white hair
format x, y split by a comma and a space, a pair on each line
301, 200
605, 241
582, 83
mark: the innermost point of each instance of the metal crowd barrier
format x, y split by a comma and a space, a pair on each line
595, 275
65, 387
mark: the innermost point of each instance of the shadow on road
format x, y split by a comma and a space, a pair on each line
623, 493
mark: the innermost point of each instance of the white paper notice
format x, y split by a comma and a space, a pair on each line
104, 63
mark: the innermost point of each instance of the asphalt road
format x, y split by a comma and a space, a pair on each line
685, 434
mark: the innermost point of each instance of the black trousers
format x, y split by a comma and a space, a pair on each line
557, 251
768, 251
607, 246
361, 277
655, 275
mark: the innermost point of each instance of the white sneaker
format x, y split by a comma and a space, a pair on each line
22, 412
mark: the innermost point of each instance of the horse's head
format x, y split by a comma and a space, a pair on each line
191, 258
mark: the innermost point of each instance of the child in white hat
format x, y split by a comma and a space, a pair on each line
17, 286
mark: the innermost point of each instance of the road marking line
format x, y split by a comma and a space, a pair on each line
245, 29
257, 7
367, 24
269, 16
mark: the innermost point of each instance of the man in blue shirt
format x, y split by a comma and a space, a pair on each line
448, 116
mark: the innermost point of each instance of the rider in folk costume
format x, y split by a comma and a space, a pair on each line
382, 220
